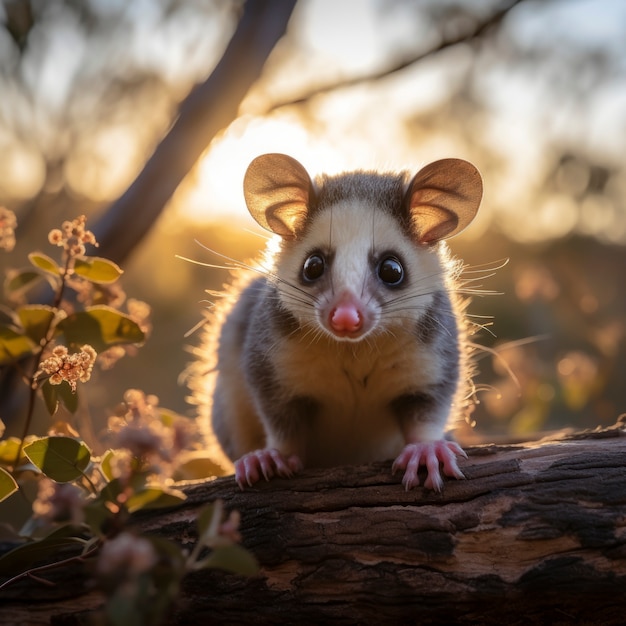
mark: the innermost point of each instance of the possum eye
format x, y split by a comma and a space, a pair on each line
313, 267
390, 271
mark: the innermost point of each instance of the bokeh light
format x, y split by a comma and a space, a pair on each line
88, 90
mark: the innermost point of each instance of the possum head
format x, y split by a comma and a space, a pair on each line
360, 252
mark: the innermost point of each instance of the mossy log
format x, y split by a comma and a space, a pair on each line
536, 534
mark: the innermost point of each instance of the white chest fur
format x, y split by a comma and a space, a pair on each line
353, 385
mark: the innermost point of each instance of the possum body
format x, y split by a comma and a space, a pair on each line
347, 344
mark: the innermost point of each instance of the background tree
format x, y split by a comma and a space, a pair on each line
144, 115
97, 95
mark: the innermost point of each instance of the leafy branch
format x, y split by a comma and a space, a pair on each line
32, 329
85, 500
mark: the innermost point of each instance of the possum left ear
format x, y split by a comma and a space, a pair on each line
278, 191
443, 198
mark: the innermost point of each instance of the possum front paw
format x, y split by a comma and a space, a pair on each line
267, 463
429, 454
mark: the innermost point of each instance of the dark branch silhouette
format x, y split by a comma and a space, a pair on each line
210, 107
479, 30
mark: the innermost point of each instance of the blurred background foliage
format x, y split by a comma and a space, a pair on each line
532, 92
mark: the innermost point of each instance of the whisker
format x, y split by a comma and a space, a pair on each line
477, 292
235, 262
196, 327
473, 279
517, 343
486, 267
484, 327
262, 235
205, 264
480, 317
216, 293
258, 269
501, 360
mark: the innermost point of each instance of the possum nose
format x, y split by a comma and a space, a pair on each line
346, 318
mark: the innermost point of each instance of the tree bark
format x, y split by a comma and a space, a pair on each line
535, 534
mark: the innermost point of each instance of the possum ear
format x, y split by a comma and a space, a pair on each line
278, 190
443, 198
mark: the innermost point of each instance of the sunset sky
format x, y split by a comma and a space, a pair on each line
62, 100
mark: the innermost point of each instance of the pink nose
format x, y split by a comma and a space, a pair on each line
346, 318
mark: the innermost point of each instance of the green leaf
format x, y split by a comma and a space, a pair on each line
8, 450
101, 327
204, 519
62, 393
7, 316
21, 281
234, 559
45, 263
97, 516
8, 485
106, 463
36, 320
14, 345
50, 395
97, 270
29, 554
111, 491
196, 466
68, 397
117, 486
62, 459
123, 608
155, 497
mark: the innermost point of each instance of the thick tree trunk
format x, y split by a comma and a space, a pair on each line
536, 534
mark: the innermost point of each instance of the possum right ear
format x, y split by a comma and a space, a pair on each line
278, 191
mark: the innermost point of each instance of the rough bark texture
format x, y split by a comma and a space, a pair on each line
536, 534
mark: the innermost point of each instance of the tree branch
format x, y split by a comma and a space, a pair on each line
476, 33
210, 107
535, 535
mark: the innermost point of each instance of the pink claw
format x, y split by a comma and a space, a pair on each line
429, 454
267, 462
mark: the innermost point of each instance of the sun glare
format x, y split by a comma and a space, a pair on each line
214, 189
22, 171
114, 147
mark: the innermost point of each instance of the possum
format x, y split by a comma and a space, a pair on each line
347, 343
